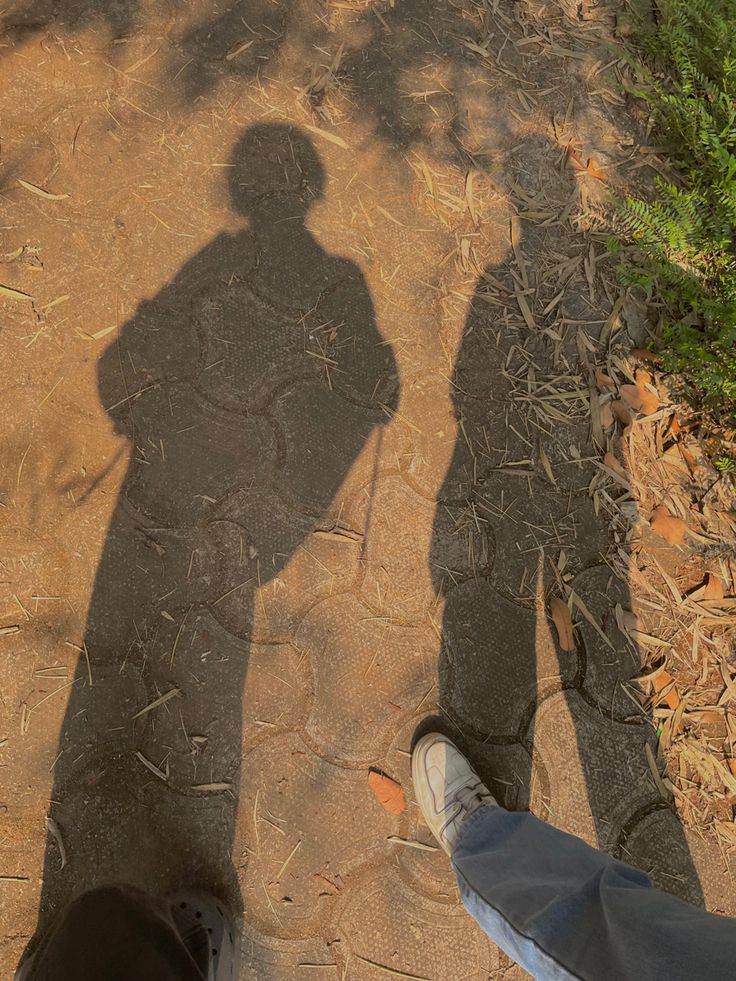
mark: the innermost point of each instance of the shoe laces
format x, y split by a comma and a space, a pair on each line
473, 797
465, 801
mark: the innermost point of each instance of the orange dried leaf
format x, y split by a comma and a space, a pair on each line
713, 588
593, 170
670, 528
662, 680
640, 399
573, 158
603, 380
606, 415
388, 792
562, 620
641, 354
620, 412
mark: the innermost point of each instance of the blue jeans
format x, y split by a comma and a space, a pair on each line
563, 910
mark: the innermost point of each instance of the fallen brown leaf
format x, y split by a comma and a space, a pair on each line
387, 791
574, 160
640, 399
660, 681
669, 527
603, 380
329, 888
641, 354
562, 620
606, 415
620, 412
713, 587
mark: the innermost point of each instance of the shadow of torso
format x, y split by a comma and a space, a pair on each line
247, 389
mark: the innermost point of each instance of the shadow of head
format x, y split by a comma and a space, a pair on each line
275, 165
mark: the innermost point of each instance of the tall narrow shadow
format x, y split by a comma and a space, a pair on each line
247, 388
531, 715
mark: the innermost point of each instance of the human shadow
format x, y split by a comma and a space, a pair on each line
246, 389
529, 713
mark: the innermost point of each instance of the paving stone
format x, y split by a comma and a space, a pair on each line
294, 803
482, 444
597, 768
496, 656
404, 530
294, 271
44, 672
176, 568
20, 887
528, 515
186, 456
210, 41
266, 958
362, 362
249, 349
285, 562
170, 338
425, 439
370, 675
482, 358
233, 694
220, 485
387, 927
121, 823
680, 862
327, 440
607, 668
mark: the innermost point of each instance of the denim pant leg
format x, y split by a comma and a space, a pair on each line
562, 909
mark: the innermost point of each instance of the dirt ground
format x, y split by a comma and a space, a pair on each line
296, 300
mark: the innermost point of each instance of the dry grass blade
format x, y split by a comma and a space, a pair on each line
590, 618
152, 767
55, 832
660, 784
411, 843
560, 613
40, 191
158, 701
13, 294
391, 970
326, 135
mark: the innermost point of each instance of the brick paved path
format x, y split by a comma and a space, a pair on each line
270, 457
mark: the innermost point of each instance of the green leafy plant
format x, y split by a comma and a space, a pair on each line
725, 465
685, 234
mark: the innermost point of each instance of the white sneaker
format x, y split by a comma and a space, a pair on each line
447, 787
